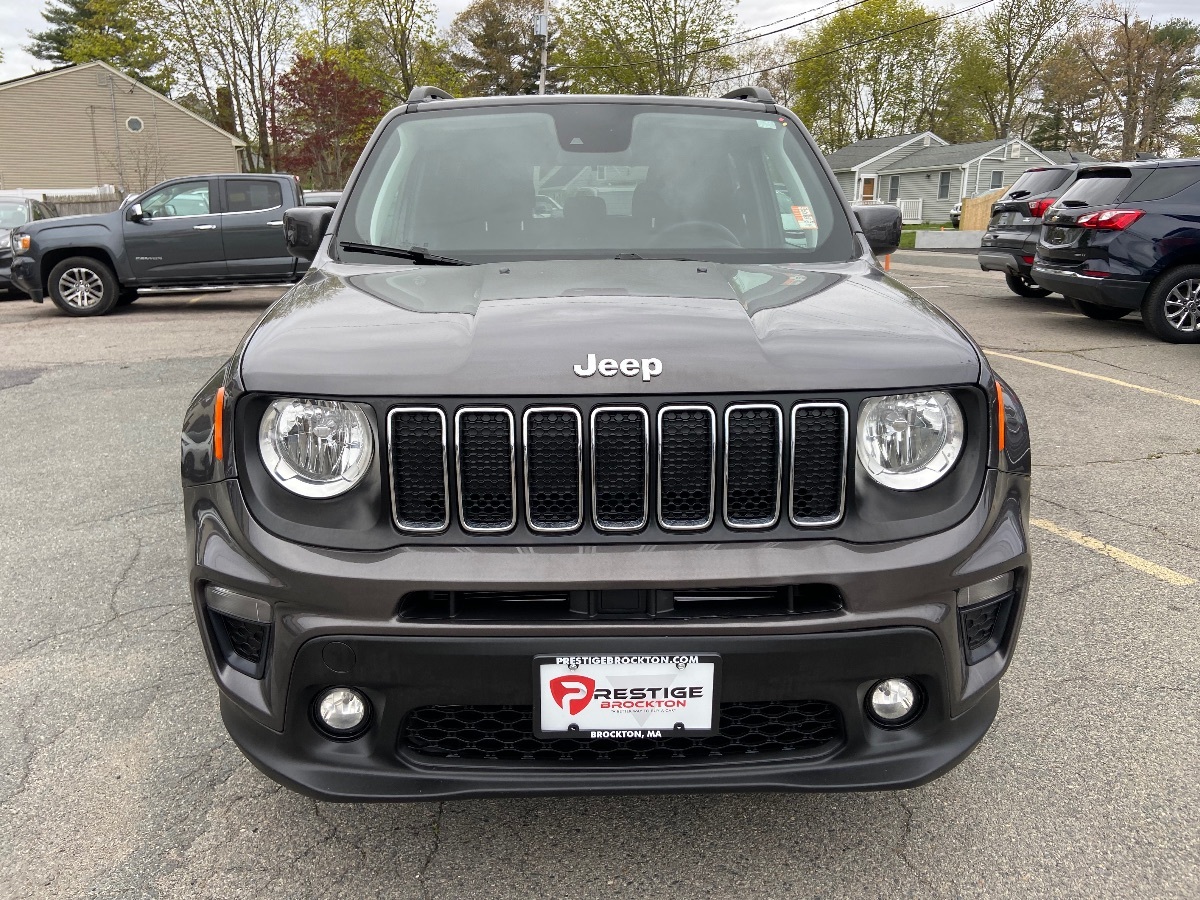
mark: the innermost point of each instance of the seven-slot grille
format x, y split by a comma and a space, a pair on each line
632, 465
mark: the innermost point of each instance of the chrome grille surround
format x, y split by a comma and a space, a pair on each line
712, 474
530, 518
393, 414
764, 522
801, 522
462, 413
628, 526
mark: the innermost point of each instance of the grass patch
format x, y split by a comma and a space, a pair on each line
908, 240
930, 226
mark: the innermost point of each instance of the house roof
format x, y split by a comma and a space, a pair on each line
51, 73
947, 157
860, 151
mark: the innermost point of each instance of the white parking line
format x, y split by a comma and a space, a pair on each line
1154, 570
1116, 381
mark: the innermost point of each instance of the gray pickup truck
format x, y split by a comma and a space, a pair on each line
199, 230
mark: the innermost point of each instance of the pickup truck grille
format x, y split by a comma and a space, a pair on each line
617, 468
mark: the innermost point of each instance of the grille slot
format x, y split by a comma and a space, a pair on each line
420, 492
553, 441
753, 454
818, 480
687, 437
483, 438
761, 730
620, 467
631, 604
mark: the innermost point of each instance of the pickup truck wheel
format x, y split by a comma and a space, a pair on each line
1026, 287
1096, 311
82, 286
1171, 310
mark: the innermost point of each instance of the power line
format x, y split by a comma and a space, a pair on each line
745, 40
787, 18
850, 46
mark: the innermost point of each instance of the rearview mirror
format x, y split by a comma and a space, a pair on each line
304, 228
881, 227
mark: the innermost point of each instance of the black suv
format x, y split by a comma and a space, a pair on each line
1127, 237
662, 487
1012, 234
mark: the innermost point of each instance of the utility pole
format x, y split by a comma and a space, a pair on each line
543, 29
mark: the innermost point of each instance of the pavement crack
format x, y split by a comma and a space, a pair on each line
434, 845
902, 849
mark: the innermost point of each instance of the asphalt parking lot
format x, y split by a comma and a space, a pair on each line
117, 779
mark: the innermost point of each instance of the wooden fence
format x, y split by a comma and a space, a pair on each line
977, 211
76, 205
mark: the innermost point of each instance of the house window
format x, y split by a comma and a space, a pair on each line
134, 124
1015, 151
944, 186
997, 179
894, 189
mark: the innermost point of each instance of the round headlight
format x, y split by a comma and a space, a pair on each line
315, 448
909, 441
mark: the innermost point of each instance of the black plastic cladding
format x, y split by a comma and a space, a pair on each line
766, 729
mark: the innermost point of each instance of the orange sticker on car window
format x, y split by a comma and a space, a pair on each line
804, 217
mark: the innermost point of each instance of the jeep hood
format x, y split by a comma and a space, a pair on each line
519, 329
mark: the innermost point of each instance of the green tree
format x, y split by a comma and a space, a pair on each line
119, 32
1147, 71
999, 62
893, 85
494, 47
668, 47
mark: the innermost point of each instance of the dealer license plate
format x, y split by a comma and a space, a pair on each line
607, 696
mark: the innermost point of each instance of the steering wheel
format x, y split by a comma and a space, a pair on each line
716, 229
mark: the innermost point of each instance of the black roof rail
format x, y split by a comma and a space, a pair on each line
424, 92
750, 92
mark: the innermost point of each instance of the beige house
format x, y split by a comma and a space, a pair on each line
86, 126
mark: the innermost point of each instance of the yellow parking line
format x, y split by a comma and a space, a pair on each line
1136, 387
1154, 570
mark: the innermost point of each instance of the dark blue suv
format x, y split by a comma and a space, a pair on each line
1126, 237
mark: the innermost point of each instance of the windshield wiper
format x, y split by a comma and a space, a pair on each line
419, 255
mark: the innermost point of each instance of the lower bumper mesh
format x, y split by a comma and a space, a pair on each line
761, 730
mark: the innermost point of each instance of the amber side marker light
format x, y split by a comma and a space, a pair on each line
999, 418
219, 424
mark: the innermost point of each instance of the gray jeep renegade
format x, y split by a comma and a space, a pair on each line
595, 453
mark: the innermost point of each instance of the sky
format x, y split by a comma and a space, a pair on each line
19, 17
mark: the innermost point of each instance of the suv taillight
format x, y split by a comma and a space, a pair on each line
1037, 208
1110, 219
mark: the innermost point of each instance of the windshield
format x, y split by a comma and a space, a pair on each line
1037, 181
1097, 188
592, 180
12, 214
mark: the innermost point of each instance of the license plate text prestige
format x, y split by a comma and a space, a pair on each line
593, 696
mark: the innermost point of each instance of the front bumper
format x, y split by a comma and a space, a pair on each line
1119, 292
898, 619
24, 276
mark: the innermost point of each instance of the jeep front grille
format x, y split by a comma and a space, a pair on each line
617, 468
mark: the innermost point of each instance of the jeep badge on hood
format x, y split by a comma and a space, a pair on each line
610, 367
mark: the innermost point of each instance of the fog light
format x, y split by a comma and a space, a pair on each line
342, 711
894, 702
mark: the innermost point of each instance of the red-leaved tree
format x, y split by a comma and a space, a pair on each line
325, 115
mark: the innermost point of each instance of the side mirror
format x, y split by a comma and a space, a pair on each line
304, 228
136, 213
881, 226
